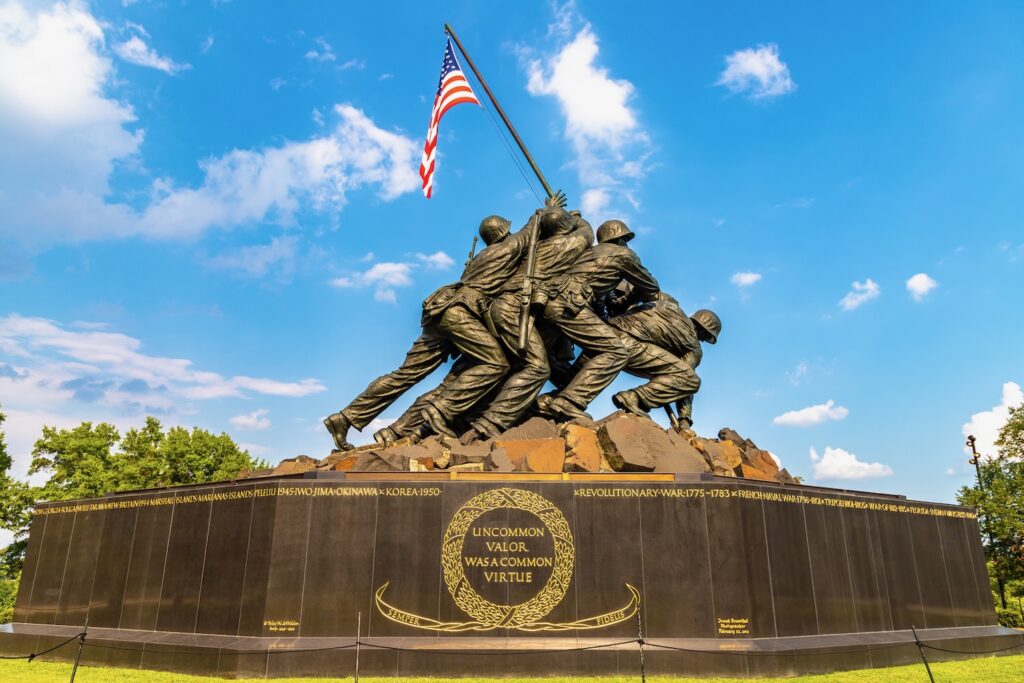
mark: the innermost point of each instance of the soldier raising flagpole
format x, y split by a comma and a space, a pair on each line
456, 91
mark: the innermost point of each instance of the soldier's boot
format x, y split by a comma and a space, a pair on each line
386, 437
543, 405
433, 417
630, 402
481, 430
563, 408
338, 425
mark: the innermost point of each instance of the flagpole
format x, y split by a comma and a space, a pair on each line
501, 112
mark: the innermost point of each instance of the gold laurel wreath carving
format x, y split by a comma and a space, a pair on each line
490, 614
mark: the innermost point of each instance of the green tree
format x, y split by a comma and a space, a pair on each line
15, 512
92, 459
8, 594
998, 496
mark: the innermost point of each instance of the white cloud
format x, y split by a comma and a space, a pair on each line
757, 72
365, 435
277, 83
59, 376
799, 374
207, 44
60, 134
610, 146
325, 53
797, 203
58, 365
812, 415
919, 285
247, 186
383, 277
353, 64
257, 420
256, 450
386, 276
63, 135
985, 426
136, 51
24, 426
318, 117
839, 464
745, 279
239, 188
437, 261
861, 293
1015, 252
258, 260
595, 201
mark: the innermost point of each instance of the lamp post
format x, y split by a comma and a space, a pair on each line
976, 461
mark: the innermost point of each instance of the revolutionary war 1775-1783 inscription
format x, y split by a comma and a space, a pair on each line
507, 557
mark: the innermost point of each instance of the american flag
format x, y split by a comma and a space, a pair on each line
452, 89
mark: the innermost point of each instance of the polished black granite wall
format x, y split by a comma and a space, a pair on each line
294, 557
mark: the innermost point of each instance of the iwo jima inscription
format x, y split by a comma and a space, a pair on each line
537, 550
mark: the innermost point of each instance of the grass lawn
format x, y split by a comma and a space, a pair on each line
988, 670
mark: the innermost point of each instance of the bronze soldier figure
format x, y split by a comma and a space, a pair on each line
664, 347
588, 281
563, 238
452, 325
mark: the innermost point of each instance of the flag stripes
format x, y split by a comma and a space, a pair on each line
452, 89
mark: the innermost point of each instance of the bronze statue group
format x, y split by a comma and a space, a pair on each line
513, 322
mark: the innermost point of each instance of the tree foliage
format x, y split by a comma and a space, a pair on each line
999, 499
92, 460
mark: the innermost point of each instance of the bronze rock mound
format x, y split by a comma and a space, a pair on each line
618, 443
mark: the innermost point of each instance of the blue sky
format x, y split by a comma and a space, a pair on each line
210, 211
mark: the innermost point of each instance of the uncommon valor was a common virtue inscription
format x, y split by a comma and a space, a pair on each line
507, 559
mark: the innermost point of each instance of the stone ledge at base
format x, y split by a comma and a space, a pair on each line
247, 657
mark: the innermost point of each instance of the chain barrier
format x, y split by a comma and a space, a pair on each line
973, 652
642, 642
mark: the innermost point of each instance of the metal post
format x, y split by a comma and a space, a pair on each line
526, 296
640, 642
976, 459
920, 648
673, 420
501, 112
359, 628
81, 644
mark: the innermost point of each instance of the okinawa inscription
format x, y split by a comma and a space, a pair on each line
507, 558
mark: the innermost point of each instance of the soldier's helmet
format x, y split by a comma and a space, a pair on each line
710, 322
614, 229
494, 229
556, 221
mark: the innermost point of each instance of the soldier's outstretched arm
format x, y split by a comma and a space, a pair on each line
645, 287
